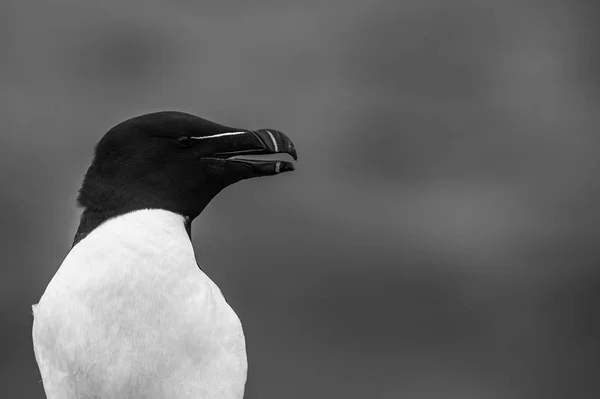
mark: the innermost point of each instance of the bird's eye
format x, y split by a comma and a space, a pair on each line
184, 141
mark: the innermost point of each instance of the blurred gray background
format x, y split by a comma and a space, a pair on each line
439, 237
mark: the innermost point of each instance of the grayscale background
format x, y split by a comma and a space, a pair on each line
439, 238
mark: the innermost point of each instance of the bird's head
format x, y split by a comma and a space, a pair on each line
177, 162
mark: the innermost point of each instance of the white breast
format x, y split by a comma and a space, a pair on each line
129, 315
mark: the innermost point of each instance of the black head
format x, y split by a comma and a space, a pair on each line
173, 161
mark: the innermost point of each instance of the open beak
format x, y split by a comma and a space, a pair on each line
249, 147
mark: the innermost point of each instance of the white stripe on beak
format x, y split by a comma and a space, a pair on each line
273, 140
277, 166
217, 135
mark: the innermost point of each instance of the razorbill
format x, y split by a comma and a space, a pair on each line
129, 314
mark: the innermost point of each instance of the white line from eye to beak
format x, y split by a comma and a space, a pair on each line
273, 140
217, 135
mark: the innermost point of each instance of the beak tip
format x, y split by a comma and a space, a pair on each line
274, 141
288, 167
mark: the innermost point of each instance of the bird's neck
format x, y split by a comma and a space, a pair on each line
148, 218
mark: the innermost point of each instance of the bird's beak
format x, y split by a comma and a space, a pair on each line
247, 149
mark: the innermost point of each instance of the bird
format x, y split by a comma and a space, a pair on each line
130, 313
